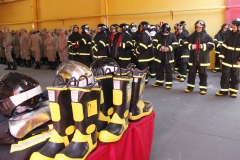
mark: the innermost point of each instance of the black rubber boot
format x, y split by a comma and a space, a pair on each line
54, 67
121, 103
85, 137
28, 64
14, 65
37, 65
62, 118
50, 66
23, 64
8, 66
138, 107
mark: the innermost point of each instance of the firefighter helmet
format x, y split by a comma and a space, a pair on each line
236, 22
124, 27
166, 28
18, 89
103, 27
200, 23
85, 28
145, 25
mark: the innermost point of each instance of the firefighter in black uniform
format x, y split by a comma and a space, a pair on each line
100, 43
73, 44
183, 54
133, 32
85, 46
218, 40
200, 44
230, 59
152, 71
165, 42
183, 23
122, 46
144, 47
176, 54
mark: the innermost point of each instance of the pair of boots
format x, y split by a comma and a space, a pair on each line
37, 65
26, 63
127, 103
74, 114
52, 65
11, 66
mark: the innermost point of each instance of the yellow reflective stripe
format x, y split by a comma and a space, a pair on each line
168, 82
234, 90
84, 54
216, 68
179, 41
191, 85
236, 66
226, 64
94, 56
123, 44
185, 56
211, 43
218, 45
230, 48
95, 48
93, 41
72, 53
85, 42
204, 47
146, 60
217, 52
221, 56
99, 56
190, 64
224, 90
155, 40
157, 60
203, 87
124, 59
176, 43
69, 45
224, 45
89, 42
102, 43
185, 42
220, 42
159, 81
204, 64
171, 61
29, 142
137, 51
129, 42
189, 46
143, 45
150, 45
237, 49
158, 46
171, 49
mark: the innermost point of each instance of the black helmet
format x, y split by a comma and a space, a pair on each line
133, 25
102, 26
18, 89
236, 22
200, 23
166, 28
145, 25
85, 28
104, 66
124, 27
182, 23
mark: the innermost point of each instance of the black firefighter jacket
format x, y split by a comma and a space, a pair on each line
199, 57
230, 52
169, 41
85, 44
218, 41
73, 43
100, 45
144, 48
183, 52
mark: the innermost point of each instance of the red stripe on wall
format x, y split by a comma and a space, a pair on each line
232, 10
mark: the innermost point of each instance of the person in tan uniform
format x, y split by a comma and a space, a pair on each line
44, 58
7, 44
62, 46
49, 43
2, 53
16, 46
25, 49
35, 43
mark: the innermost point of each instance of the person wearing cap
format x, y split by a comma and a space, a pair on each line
218, 41
199, 43
85, 45
165, 42
49, 44
36, 43
62, 46
230, 59
7, 44
25, 49
73, 44
16, 46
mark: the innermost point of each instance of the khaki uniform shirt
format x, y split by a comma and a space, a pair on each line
61, 42
24, 41
49, 43
16, 42
35, 42
7, 40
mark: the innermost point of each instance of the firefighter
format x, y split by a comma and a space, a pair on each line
122, 46
85, 46
73, 44
183, 23
165, 42
176, 54
183, 54
132, 31
200, 44
113, 34
218, 40
16, 46
100, 43
25, 49
152, 31
144, 47
61, 45
230, 59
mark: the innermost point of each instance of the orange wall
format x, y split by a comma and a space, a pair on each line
66, 13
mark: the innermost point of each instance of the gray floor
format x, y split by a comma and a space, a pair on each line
188, 126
